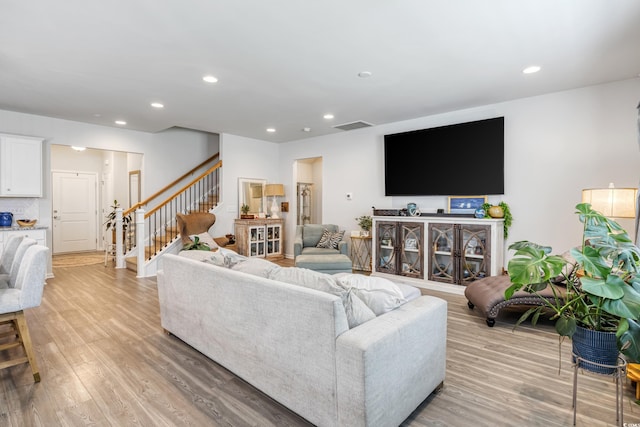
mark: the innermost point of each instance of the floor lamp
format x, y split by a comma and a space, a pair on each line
274, 190
612, 202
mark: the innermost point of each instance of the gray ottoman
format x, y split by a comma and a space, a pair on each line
332, 264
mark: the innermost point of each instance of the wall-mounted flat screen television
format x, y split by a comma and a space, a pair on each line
453, 160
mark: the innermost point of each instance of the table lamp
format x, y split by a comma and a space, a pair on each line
274, 190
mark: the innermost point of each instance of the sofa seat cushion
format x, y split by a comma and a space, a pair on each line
325, 263
312, 250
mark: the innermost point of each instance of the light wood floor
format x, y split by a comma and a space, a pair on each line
105, 361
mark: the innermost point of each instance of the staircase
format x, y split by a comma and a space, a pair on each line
155, 229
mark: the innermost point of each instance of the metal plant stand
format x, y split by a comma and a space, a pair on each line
619, 374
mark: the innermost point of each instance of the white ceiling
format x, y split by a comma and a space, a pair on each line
285, 63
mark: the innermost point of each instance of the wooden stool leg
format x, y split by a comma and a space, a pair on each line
638, 391
23, 330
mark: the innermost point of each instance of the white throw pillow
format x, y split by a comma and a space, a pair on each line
205, 238
256, 267
379, 294
356, 310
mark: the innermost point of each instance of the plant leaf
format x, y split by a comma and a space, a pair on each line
566, 326
629, 340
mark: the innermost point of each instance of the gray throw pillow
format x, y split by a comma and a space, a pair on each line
330, 240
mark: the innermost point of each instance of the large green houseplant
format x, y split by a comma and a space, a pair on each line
597, 288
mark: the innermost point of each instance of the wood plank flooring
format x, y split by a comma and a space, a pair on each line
105, 361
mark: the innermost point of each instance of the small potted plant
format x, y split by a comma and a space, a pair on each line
365, 222
111, 220
596, 290
245, 212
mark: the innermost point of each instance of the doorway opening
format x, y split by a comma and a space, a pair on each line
309, 191
84, 186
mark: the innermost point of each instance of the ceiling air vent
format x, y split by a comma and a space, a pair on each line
353, 125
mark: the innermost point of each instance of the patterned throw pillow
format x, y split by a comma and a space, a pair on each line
329, 239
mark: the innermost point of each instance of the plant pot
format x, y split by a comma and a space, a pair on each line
496, 212
247, 216
595, 346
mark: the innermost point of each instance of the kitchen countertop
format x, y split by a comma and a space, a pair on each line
17, 228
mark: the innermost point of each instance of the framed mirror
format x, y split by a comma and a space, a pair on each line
251, 193
134, 187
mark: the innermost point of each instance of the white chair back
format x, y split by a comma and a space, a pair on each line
9, 252
31, 276
26, 243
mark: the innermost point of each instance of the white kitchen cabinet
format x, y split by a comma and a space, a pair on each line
20, 166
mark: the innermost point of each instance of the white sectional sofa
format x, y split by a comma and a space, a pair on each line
294, 343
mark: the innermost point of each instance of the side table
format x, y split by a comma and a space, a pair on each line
361, 252
619, 372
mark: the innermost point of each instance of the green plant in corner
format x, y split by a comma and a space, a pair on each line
506, 214
196, 245
365, 222
598, 290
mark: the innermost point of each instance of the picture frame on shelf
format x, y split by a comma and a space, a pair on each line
465, 204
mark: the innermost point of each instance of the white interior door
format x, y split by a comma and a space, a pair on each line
74, 212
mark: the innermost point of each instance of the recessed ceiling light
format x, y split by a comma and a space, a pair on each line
365, 74
157, 105
328, 116
306, 129
121, 122
271, 130
210, 79
532, 69
73, 147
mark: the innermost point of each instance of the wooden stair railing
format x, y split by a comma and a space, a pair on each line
157, 229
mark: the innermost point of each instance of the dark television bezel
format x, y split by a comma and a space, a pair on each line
484, 139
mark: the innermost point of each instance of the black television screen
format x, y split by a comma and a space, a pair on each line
453, 160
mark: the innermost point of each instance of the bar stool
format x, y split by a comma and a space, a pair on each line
26, 293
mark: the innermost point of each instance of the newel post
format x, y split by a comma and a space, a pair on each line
140, 242
119, 239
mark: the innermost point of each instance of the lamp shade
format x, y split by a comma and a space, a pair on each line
274, 190
612, 202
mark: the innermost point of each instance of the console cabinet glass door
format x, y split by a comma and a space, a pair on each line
256, 241
411, 259
386, 244
459, 253
475, 254
399, 248
273, 240
442, 261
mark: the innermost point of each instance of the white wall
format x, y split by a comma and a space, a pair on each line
245, 158
555, 145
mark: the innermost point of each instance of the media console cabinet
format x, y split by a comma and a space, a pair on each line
449, 249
